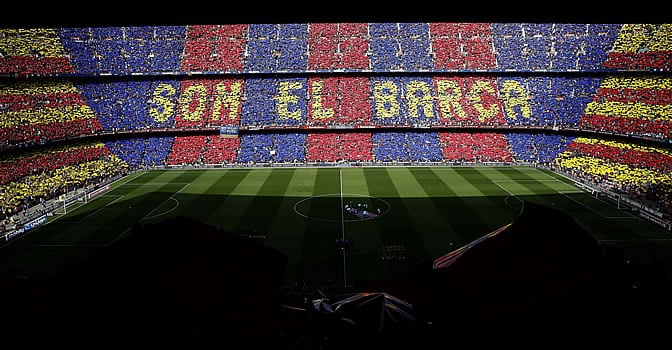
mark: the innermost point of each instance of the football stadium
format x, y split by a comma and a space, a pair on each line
335, 185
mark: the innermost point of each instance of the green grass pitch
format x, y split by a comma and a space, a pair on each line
424, 211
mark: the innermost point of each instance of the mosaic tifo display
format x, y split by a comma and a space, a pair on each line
330, 92
326, 47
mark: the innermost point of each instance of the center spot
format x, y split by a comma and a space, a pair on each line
349, 208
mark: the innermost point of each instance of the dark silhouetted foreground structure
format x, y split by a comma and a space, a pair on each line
541, 281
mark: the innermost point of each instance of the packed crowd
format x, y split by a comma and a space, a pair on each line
119, 50
475, 147
631, 105
336, 147
16, 166
642, 46
364, 147
203, 149
549, 46
338, 46
325, 46
131, 104
406, 147
641, 171
141, 152
35, 111
339, 100
537, 148
204, 103
38, 111
32, 190
214, 48
555, 101
273, 47
25, 51
272, 148
457, 46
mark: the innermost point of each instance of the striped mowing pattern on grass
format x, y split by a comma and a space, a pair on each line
424, 211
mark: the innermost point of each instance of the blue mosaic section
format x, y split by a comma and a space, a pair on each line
548, 46
403, 46
405, 147
424, 147
255, 148
509, 45
138, 152
117, 50
259, 106
125, 105
389, 146
261, 148
599, 41
272, 47
271, 101
289, 147
537, 147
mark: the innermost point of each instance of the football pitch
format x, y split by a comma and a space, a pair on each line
396, 217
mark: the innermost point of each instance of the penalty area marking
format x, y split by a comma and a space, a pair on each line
177, 204
630, 216
95, 211
510, 195
336, 195
156, 184
573, 189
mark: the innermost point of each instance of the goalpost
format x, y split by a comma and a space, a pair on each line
61, 207
63, 202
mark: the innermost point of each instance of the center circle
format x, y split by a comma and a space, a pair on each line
346, 207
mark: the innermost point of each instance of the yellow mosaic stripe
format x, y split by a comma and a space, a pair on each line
37, 87
617, 172
58, 149
654, 37
662, 39
623, 145
45, 116
27, 42
47, 184
630, 110
638, 82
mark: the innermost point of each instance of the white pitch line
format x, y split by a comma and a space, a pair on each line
95, 211
118, 237
156, 184
510, 194
162, 203
531, 180
177, 204
547, 174
131, 178
599, 213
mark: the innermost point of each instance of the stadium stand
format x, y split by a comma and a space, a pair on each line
298, 93
81, 106
640, 171
35, 111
